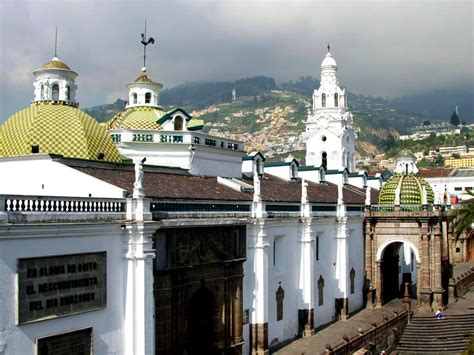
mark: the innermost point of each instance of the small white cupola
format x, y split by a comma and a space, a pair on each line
143, 91
405, 163
253, 163
55, 82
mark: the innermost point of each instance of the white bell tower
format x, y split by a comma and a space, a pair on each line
330, 135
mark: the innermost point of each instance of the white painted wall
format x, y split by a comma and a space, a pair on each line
39, 175
47, 240
356, 260
456, 186
198, 159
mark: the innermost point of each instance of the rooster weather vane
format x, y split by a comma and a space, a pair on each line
145, 43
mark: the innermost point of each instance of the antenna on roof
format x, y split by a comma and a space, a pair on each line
145, 43
56, 43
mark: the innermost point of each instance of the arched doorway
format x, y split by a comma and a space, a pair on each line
201, 322
397, 266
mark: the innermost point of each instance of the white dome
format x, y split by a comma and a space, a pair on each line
328, 61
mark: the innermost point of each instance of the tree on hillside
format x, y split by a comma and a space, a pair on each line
455, 117
426, 123
462, 216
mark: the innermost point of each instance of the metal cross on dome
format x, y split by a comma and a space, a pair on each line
145, 43
329, 48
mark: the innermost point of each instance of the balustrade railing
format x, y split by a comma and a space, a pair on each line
20, 203
401, 208
372, 336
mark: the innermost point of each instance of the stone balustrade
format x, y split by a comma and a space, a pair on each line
19, 203
379, 337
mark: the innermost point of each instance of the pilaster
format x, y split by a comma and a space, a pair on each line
139, 301
259, 246
306, 279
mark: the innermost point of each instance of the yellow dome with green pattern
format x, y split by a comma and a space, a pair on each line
56, 128
410, 187
139, 117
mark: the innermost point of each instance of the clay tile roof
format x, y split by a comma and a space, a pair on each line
187, 187
169, 186
434, 172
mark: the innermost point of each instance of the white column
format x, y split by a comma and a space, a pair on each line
258, 249
306, 276
342, 255
139, 327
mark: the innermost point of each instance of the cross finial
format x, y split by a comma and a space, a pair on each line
329, 47
146, 41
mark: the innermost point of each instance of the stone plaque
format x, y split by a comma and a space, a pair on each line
56, 286
77, 342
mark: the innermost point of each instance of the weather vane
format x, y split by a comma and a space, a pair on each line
145, 43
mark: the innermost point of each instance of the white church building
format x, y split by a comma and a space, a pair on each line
195, 247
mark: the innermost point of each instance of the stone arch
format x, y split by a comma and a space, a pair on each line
395, 260
401, 240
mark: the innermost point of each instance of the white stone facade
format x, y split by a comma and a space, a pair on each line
330, 135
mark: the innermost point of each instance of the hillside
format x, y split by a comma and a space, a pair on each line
270, 117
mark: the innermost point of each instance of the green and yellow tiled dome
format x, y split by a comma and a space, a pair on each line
140, 117
411, 190
56, 128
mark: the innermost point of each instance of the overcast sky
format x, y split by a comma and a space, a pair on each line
383, 48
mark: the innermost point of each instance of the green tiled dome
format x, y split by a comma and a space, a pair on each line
56, 128
411, 190
140, 117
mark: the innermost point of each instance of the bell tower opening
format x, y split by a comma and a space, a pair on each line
324, 160
55, 92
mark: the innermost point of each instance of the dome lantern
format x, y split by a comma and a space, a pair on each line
55, 82
144, 91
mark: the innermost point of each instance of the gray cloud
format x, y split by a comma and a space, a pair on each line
383, 48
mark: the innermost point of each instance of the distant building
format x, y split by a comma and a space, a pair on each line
463, 162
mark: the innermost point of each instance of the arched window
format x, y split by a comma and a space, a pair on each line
42, 92
320, 290
336, 100
55, 92
68, 93
148, 97
323, 100
294, 172
280, 295
324, 160
135, 97
178, 123
352, 277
